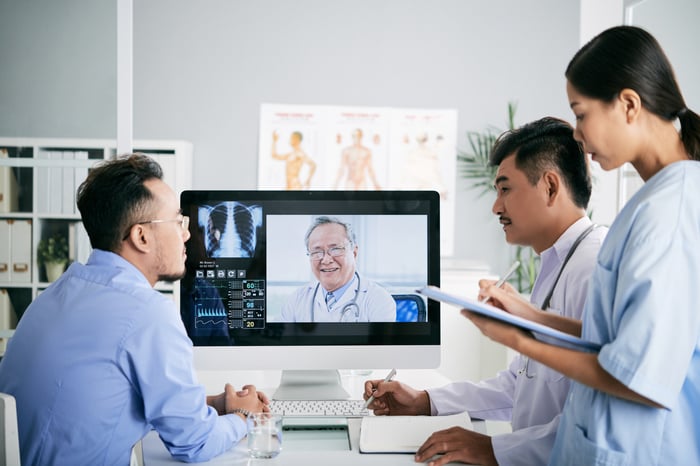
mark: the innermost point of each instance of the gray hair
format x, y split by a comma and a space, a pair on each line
325, 220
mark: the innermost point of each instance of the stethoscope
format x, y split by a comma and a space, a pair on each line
345, 311
545, 304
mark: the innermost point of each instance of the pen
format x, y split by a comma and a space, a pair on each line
388, 377
505, 277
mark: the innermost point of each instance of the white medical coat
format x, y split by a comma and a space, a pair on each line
532, 404
375, 304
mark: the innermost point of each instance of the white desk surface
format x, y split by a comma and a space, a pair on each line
155, 453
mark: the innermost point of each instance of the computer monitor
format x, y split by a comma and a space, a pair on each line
246, 296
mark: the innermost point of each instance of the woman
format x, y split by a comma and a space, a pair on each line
635, 401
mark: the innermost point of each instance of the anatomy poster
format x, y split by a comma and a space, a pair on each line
305, 147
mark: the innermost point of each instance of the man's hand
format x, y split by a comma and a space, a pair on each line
456, 444
395, 398
508, 299
247, 398
218, 402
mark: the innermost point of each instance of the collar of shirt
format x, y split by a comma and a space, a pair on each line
340, 291
104, 266
551, 259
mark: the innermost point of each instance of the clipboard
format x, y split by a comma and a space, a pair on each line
539, 331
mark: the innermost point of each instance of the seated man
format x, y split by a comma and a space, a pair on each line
543, 187
341, 294
100, 357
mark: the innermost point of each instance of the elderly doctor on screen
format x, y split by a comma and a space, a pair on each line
340, 293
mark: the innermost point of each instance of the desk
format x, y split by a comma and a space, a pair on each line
155, 453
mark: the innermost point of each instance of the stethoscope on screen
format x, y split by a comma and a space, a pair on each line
345, 311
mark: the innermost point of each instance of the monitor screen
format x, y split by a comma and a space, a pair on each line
311, 279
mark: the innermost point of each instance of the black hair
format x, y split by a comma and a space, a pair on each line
628, 57
113, 198
547, 144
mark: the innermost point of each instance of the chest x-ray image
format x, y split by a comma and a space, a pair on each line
230, 228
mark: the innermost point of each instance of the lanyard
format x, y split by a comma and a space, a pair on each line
545, 303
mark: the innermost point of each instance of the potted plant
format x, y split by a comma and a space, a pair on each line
475, 166
52, 253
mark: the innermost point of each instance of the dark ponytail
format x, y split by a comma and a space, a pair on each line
690, 132
628, 57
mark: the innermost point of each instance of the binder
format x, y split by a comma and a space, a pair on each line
8, 186
5, 258
8, 318
15, 250
55, 186
43, 191
21, 250
68, 184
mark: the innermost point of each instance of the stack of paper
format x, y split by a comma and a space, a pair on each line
404, 434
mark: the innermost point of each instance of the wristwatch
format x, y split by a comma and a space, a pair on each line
242, 411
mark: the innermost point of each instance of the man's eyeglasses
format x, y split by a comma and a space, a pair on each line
184, 222
335, 251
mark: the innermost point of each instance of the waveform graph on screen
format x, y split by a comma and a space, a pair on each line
209, 313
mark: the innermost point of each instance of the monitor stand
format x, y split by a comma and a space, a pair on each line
310, 385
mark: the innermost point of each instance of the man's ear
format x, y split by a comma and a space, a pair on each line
139, 238
631, 104
552, 185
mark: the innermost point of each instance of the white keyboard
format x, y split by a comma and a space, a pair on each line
320, 408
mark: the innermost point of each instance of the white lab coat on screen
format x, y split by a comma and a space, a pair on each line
374, 304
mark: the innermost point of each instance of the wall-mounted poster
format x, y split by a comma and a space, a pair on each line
311, 147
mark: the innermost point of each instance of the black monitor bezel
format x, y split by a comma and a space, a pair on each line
322, 334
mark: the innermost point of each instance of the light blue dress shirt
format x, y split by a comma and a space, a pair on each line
644, 308
99, 359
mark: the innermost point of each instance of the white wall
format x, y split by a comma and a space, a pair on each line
201, 70
58, 68
674, 23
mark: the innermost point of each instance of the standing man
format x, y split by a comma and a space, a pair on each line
355, 165
100, 357
543, 187
341, 294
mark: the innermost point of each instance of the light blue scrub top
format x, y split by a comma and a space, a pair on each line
99, 359
644, 308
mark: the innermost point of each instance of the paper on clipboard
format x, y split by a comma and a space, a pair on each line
540, 332
404, 434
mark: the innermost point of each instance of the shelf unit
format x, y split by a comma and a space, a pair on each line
38, 180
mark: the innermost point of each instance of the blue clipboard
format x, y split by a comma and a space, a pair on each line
539, 331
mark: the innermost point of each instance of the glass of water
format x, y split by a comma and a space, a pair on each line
264, 435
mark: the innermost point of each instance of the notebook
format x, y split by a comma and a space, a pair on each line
540, 332
404, 434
